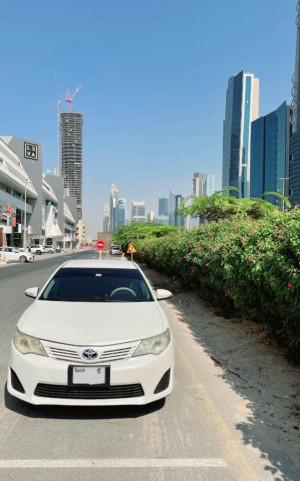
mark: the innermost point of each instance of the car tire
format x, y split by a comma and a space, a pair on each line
38, 253
23, 259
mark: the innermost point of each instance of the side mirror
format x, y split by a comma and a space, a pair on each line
32, 292
163, 294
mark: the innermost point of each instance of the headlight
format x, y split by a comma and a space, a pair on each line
153, 345
28, 344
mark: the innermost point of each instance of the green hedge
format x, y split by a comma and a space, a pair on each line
246, 265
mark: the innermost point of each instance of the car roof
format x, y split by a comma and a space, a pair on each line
101, 264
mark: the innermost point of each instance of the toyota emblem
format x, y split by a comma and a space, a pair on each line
89, 354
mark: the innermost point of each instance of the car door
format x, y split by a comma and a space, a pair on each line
9, 254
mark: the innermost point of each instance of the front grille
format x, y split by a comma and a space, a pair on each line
105, 353
163, 383
15, 382
88, 392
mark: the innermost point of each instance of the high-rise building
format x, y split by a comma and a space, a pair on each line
294, 165
179, 220
172, 208
71, 155
121, 211
114, 217
138, 211
150, 216
242, 108
80, 231
270, 138
163, 206
161, 219
106, 218
203, 184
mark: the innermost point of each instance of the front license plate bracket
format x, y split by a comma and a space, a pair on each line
90, 373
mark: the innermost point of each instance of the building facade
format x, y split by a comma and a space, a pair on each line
270, 154
161, 219
138, 211
71, 155
163, 206
66, 212
30, 156
150, 216
294, 165
121, 211
242, 108
18, 192
23, 188
106, 223
203, 184
114, 209
172, 207
80, 231
179, 220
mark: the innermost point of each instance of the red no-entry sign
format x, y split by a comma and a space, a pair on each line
100, 245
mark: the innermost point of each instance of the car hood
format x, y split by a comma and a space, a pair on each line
83, 323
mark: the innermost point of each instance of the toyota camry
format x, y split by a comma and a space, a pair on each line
94, 335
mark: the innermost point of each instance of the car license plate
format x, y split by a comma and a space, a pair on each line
89, 375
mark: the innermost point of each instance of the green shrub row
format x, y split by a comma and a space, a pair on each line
251, 266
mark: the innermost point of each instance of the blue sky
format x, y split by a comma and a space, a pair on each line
154, 76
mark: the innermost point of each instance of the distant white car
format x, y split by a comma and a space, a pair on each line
37, 249
49, 249
115, 250
95, 335
12, 254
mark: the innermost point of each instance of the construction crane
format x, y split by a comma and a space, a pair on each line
69, 99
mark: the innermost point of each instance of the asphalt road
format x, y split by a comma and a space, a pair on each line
190, 437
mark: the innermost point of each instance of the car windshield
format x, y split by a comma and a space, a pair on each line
97, 285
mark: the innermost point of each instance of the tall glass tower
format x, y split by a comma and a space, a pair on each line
294, 173
114, 217
242, 108
270, 139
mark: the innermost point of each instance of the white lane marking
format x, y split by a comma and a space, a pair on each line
113, 463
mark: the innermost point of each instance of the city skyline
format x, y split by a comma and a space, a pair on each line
170, 123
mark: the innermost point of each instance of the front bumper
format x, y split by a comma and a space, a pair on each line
146, 371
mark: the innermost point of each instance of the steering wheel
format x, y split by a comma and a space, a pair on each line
119, 289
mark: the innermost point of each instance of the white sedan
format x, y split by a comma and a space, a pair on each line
12, 254
95, 335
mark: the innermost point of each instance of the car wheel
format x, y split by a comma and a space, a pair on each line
38, 253
23, 259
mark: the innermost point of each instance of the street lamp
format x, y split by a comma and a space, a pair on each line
27, 181
283, 189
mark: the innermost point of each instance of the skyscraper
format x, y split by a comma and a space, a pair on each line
294, 165
121, 211
114, 218
163, 206
106, 218
270, 137
138, 211
242, 108
203, 184
179, 220
172, 207
71, 155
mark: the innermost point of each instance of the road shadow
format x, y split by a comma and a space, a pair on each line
256, 370
79, 412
